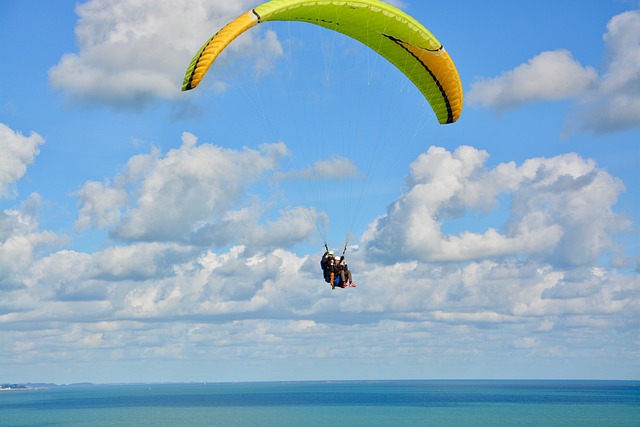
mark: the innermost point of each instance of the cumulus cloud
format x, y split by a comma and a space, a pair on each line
197, 193
17, 153
131, 52
143, 261
550, 76
615, 104
247, 226
21, 240
101, 205
293, 226
606, 102
560, 209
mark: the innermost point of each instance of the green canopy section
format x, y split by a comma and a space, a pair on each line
390, 32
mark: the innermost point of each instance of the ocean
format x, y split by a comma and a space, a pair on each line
329, 403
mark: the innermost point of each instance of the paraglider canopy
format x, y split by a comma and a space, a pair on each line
395, 35
355, 151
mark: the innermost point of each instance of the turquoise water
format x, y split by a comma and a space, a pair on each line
344, 403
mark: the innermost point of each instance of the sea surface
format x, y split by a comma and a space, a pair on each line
330, 403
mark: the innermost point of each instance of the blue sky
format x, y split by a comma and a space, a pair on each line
148, 234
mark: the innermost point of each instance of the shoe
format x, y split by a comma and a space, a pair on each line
353, 285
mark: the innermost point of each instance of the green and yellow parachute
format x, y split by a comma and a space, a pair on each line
393, 34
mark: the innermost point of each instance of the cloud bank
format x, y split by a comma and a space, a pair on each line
432, 298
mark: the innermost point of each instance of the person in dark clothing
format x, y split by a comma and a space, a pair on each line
333, 273
324, 264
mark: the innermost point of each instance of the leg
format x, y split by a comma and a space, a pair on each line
350, 278
343, 277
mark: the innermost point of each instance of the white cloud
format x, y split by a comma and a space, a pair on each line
560, 209
193, 184
292, 226
615, 104
275, 284
131, 52
101, 205
17, 152
550, 76
196, 193
603, 103
20, 241
142, 261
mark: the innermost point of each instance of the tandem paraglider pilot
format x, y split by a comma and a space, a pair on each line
336, 271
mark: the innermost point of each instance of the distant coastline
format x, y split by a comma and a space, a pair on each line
21, 387
531, 382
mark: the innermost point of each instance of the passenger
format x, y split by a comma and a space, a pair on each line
345, 273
